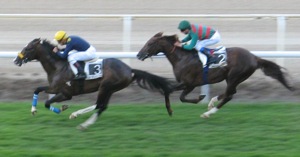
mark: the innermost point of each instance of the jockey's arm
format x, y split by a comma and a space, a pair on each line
186, 39
194, 39
62, 54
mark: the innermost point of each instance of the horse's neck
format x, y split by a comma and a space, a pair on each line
177, 57
50, 64
181, 61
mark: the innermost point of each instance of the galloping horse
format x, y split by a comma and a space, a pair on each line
189, 72
116, 76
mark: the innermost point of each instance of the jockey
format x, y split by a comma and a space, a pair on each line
200, 36
80, 50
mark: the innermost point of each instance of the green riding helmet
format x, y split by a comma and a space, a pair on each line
183, 25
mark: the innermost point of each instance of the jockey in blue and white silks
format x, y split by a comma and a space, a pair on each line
77, 49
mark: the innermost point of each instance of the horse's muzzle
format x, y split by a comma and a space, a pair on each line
142, 56
18, 61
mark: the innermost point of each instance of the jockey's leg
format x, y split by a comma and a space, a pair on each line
80, 56
203, 44
210, 58
80, 75
76, 68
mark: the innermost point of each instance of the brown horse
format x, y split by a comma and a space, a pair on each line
189, 72
116, 76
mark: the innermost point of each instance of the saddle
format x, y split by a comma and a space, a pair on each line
220, 56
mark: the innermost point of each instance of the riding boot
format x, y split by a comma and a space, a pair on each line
210, 58
80, 75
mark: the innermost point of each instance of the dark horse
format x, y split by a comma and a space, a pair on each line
116, 76
188, 70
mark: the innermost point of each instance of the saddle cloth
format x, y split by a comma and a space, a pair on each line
220, 54
93, 69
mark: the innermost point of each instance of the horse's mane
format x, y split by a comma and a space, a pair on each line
48, 45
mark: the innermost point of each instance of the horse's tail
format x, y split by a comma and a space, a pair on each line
275, 71
153, 82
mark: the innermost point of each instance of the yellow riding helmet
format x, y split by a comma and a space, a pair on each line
60, 35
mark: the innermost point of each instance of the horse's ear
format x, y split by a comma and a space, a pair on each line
41, 41
158, 34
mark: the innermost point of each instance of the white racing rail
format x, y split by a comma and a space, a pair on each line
263, 54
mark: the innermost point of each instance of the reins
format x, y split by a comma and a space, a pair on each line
173, 49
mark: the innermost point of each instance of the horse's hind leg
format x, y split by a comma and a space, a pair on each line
82, 111
101, 104
227, 97
232, 82
212, 101
168, 105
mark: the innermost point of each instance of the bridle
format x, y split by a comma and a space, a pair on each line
26, 58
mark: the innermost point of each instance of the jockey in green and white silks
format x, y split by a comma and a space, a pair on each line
200, 37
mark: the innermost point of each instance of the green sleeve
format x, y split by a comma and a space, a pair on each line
187, 38
193, 43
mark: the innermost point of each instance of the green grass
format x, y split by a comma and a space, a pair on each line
237, 130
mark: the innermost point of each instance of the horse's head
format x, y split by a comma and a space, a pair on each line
28, 53
158, 43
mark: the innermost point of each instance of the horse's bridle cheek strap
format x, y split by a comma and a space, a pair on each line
20, 55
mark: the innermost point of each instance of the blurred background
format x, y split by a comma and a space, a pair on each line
106, 33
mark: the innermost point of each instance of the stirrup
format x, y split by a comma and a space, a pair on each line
80, 76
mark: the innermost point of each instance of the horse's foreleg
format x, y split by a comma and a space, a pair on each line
185, 92
82, 111
35, 98
57, 98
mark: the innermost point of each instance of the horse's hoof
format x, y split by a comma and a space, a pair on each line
64, 107
82, 128
34, 112
72, 116
204, 116
170, 112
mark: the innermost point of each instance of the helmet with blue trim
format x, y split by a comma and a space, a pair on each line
60, 35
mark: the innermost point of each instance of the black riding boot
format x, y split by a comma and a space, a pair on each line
80, 75
210, 58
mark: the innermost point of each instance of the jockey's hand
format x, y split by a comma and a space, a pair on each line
178, 44
55, 49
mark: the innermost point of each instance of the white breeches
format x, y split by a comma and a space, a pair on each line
208, 42
89, 54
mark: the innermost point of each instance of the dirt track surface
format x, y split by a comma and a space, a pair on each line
18, 83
